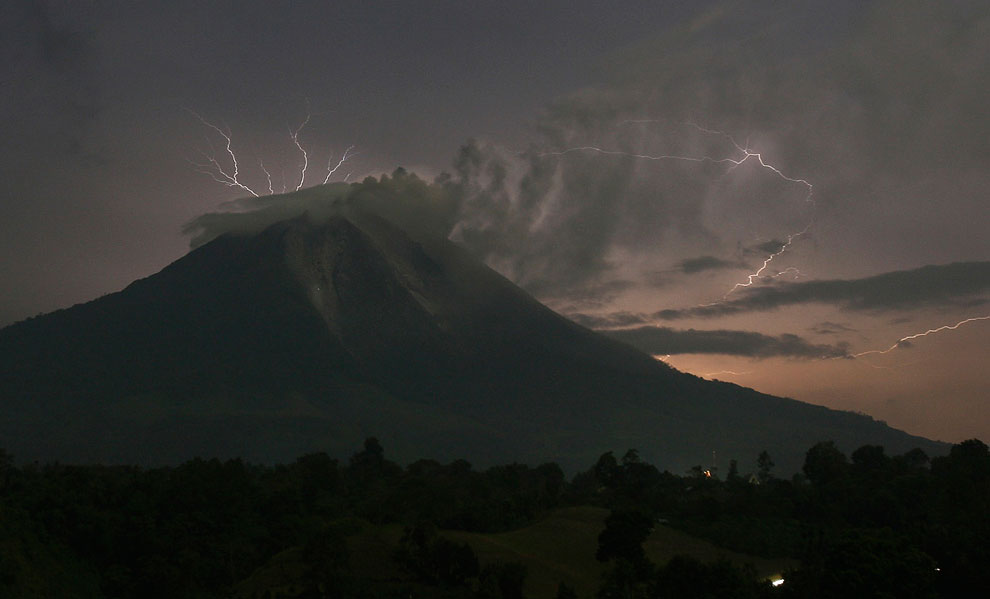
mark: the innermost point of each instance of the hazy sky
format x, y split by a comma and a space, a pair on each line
631, 164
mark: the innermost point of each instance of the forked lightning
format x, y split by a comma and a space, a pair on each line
227, 170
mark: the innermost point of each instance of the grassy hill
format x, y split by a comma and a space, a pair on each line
558, 548
561, 548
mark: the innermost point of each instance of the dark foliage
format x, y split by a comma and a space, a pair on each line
502, 581
685, 578
623, 537
434, 559
872, 526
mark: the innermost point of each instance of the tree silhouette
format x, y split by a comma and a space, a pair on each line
764, 465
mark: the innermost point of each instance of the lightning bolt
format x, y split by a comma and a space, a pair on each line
268, 175
213, 168
758, 273
948, 327
228, 172
748, 153
729, 372
745, 153
295, 140
343, 159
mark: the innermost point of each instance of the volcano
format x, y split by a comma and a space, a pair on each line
317, 332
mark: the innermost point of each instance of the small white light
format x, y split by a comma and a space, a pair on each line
777, 582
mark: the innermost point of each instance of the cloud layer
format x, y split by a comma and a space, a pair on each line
933, 285
959, 284
692, 266
664, 341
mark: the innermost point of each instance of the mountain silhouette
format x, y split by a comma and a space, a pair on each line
315, 333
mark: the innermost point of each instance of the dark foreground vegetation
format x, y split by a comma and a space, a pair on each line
870, 525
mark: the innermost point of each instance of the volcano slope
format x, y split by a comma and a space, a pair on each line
315, 333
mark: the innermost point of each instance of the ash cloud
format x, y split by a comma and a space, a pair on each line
403, 198
662, 340
553, 224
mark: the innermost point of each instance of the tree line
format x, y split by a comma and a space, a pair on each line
866, 525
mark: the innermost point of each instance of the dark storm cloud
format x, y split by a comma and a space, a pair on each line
702, 263
662, 340
831, 328
845, 94
609, 321
768, 247
50, 81
933, 285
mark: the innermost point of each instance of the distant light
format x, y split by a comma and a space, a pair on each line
777, 582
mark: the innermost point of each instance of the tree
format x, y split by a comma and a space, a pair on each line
624, 581
874, 563
914, 461
971, 456
733, 474
685, 576
435, 559
565, 592
607, 470
764, 466
870, 460
824, 463
503, 579
623, 537
6, 466
371, 457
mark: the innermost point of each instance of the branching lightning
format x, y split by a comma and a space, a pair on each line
758, 273
227, 170
343, 159
213, 168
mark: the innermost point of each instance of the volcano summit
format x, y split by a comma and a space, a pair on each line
318, 330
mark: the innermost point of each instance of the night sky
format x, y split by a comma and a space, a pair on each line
631, 164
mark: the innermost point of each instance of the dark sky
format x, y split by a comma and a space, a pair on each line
616, 170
